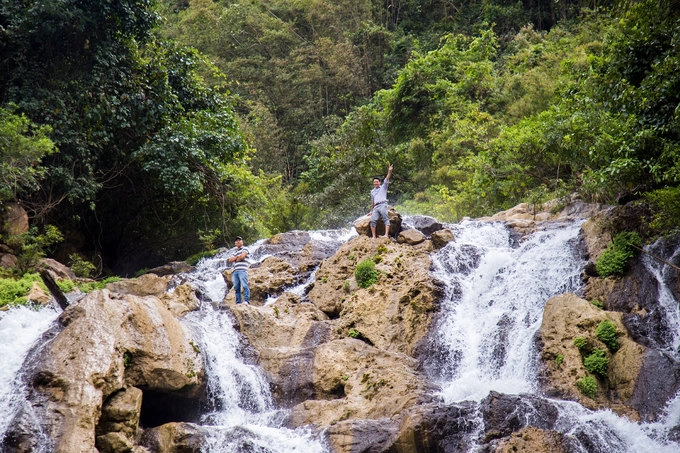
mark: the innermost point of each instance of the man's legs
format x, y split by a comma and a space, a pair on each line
236, 280
240, 279
380, 212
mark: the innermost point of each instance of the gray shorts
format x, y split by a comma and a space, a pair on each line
380, 212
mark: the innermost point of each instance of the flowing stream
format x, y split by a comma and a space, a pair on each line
496, 287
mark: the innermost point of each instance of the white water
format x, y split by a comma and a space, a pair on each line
495, 304
20, 327
245, 417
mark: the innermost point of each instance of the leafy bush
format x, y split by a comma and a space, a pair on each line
366, 273
34, 246
81, 267
597, 362
617, 254
606, 333
587, 385
581, 343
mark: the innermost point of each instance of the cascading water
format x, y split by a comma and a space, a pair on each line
496, 291
245, 417
20, 327
495, 304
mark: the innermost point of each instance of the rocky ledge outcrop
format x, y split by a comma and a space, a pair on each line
346, 352
107, 351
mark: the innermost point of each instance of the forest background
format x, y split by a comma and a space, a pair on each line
136, 132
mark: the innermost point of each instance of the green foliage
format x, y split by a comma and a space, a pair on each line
665, 205
587, 385
127, 359
209, 237
22, 147
606, 333
598, 304
365, 273
559, 359
581, 343
353, 333
81, 267
67, 285
34, 245
13, 291
613, 260
597, 362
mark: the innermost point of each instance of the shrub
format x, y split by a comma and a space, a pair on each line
606, 333
581, 343
559, 359
597, 362
81, 267
615, 257
587, 385
366, 273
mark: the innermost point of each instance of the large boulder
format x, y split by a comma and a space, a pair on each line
567, 317
363, 227
394, 313
87, 378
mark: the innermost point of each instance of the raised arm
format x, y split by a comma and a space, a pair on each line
389, 172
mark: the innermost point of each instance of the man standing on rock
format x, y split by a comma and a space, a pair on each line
240, 275
379, 203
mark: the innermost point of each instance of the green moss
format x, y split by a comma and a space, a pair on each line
559, 359
597, 362
366, 273
606, 333
13, 291
598, 304
581, 343
618, 253
587, 385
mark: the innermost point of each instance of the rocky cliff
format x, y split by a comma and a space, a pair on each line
119, 373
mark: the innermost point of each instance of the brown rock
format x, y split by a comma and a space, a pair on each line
56, 269
109, 342
15, 219
532, 439
410, 237
145, 285
393, 314
363, 227
374, 384
566, 317
8, 260
39, 295
441, 238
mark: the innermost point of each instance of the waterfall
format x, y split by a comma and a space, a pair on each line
20, 327
495, 304
496, 288
244, 417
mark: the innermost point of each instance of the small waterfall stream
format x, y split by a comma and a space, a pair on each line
496, 287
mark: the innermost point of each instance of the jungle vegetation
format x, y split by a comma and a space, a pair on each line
138, 127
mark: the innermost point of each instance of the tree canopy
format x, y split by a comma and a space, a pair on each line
143, 128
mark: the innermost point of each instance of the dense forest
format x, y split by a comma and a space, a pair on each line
145, 131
